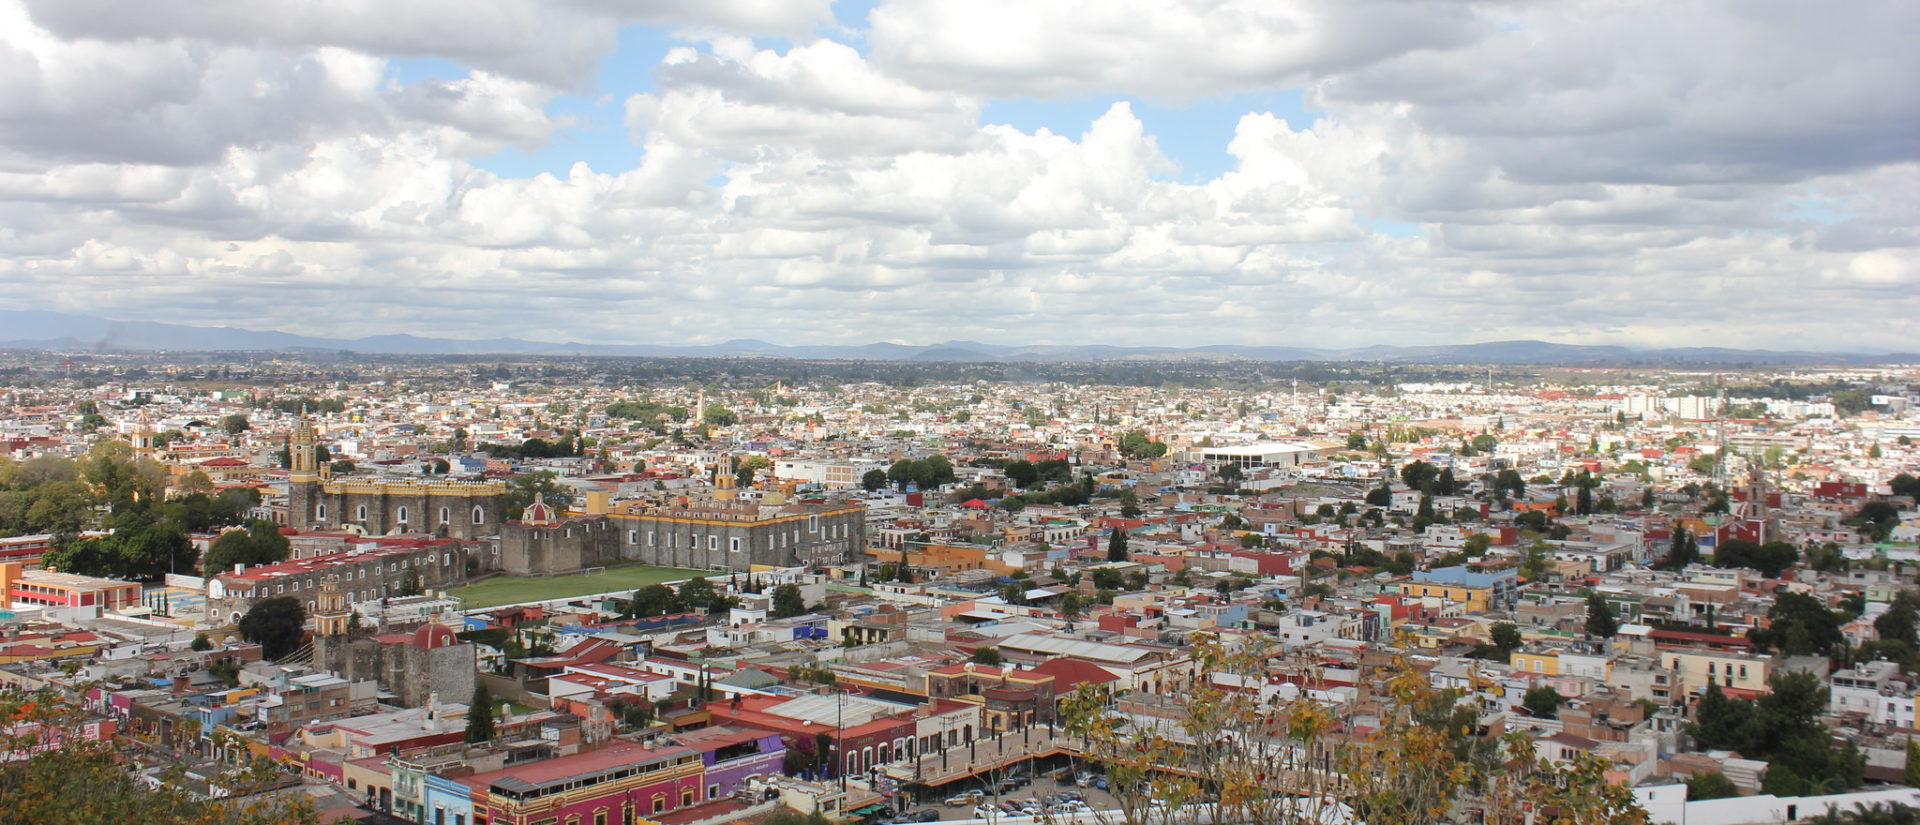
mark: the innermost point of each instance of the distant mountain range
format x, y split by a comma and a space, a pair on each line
29, 329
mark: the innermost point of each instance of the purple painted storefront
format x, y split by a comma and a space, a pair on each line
734, 755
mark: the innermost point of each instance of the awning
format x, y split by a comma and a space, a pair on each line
870, 809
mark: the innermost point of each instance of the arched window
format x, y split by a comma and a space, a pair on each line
402, 515
320, 511
479, 515
360, 513
446, 515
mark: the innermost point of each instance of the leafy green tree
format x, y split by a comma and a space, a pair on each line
1136, 444
1710, 785
653, 600
1542, 702
522, 489
1071, 606
1380, 496
1683, 551
788, 602
201, 643
1022, 473
275, 624
1723, 723
698, 593
873, 480
480, 714
941, 468
235, 424
1506, 637
1769, 558
1600, 619
1117, 545
260, 543
1898, 624
719, 416
1419, 475
1799, 625
410, 583
986, 656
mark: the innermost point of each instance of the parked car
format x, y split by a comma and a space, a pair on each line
966, 798
927, 815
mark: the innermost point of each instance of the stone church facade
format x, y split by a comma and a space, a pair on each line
315, 502
415, 665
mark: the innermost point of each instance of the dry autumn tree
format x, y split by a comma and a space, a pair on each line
1236, 746
65, 779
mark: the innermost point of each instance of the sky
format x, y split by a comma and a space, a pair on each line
1331, 173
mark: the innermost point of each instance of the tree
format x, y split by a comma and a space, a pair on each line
1910, 774
68, 779
1071, 606
410, 583
522, 489
1600, 619
653, 600
1231, 473
1356, 441
1799, 625
873, 480
201, 643
788, 602
1506, 637
1117, 545
1723, 723
480, 713
235, 424
1476, 545
1419, 475
275, 624
986, 656
941, 468
744, 468
1898, 624
1136, 444
1542, 702
1380, 496
1870, 813
1240, 757
1710, 785
1683, 551
260, 543
1769, 558
1022, 473
719, 416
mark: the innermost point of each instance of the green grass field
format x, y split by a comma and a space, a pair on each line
501, 590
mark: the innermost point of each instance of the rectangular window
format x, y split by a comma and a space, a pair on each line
713, 542
633, 536
733, 544
649, 538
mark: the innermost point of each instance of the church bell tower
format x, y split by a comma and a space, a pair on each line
303, 474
